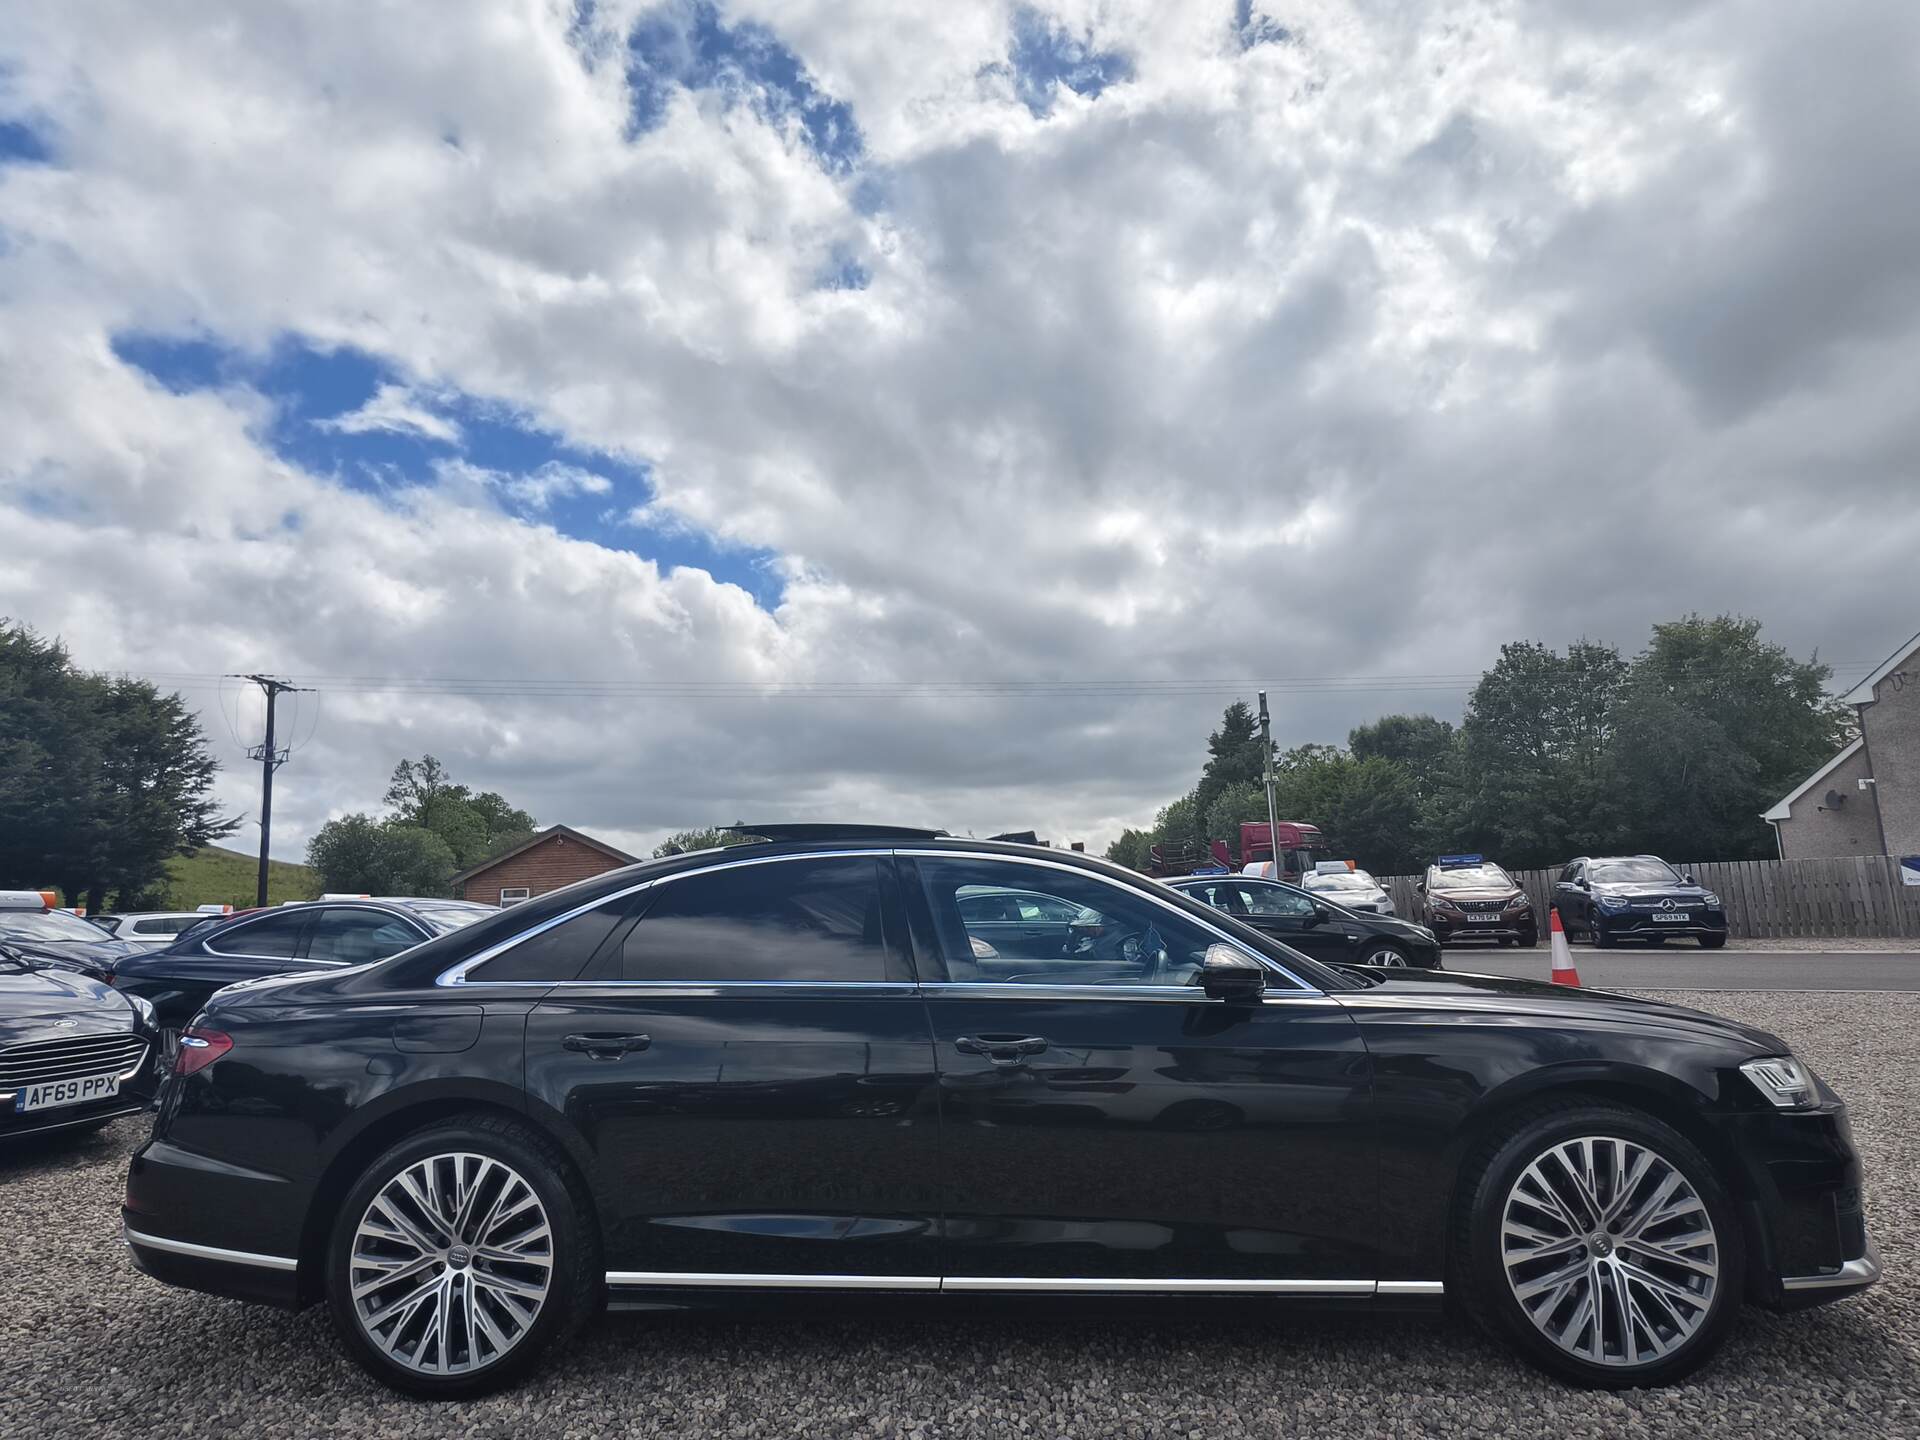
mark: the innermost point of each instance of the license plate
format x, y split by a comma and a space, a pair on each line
66, 1092
1483, 919
1670, 917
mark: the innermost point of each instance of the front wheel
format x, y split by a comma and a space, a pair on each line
1602, 939
1383, 954
460, 1255
1601, 1244
1712, 942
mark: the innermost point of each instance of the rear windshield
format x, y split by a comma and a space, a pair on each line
1470, 877
47, 925
1347, 881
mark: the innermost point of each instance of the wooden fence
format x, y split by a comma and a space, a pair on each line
1857, 895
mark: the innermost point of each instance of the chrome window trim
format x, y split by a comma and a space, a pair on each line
1177, 994
395, 912
130, 1236
1020, 1284
456, 974
1150, 898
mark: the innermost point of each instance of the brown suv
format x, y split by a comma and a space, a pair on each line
1468, 897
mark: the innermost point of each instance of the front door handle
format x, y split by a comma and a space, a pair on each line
1002, 1050
607, 1047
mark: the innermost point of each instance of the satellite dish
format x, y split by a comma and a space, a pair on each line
1835, 799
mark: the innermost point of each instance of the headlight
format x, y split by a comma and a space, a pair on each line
143, 1008
1519, 902
1783, 1080
1710, 900
1613, 902
1440, 904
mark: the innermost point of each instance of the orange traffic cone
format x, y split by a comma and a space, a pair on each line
1563, 971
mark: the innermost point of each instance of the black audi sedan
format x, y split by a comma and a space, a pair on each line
305, 938
1315, 925
780, 1068
73, 1054
1639, 897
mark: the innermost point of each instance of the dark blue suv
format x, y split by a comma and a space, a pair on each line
1638, 897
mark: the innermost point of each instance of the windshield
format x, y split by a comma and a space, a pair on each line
48, 926
1632, 872
1347, 880
1470, 877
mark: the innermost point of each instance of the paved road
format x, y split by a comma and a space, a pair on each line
1682, 967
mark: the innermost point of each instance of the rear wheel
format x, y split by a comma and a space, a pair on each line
1600, 1243
460, 1255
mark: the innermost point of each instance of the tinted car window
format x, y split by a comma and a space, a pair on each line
1116, 937
163, 925
560, 953
272, 936
357, 937
800, 919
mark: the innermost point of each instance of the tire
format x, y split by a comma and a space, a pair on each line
1384, 955
1713, 942
1602, 939
509, 1165
1670, 1336
1530, 940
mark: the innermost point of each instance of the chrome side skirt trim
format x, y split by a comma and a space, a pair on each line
130, 1236
1077, 1286
716, 1280
1864, 1271
1023, 1285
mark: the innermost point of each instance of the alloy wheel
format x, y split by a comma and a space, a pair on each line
1386, 956
451, 1264
1610, 1251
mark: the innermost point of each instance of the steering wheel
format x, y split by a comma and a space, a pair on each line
1146, 945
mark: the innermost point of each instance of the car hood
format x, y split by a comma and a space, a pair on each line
1452, 989
1479, 892
32, 1001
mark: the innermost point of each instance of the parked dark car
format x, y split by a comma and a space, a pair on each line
73, 1054
1638, 897
32, 928
1315, 925
1468, 897
304, 939
779, 1067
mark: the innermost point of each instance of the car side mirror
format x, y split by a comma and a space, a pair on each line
1230, 974
1688, 877
1321, 911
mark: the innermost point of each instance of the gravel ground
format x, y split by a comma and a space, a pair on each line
92, 1347
1830, 944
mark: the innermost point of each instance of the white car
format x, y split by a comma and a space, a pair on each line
1354, 889
150, 928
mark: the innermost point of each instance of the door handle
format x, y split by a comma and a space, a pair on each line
1002, 1050
607, 1047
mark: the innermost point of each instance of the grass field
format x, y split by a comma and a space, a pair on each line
213, 876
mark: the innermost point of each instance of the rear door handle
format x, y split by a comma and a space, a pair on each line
1002, 1050
607, 1047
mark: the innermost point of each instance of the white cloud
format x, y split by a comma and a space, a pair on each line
395, 409
1352, 355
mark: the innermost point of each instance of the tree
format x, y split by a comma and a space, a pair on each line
1130, 849
1233, 757
1712, 726
359, 855
102, 782
475, 827
709, 839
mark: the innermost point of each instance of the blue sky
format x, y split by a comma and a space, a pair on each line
312, 388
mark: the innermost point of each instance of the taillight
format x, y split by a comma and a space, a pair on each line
199, 1049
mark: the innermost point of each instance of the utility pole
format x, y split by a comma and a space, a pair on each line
271, 759
1273, 812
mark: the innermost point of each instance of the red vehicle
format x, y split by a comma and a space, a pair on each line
1300, 846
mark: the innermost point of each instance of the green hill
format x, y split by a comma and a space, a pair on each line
212, 876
